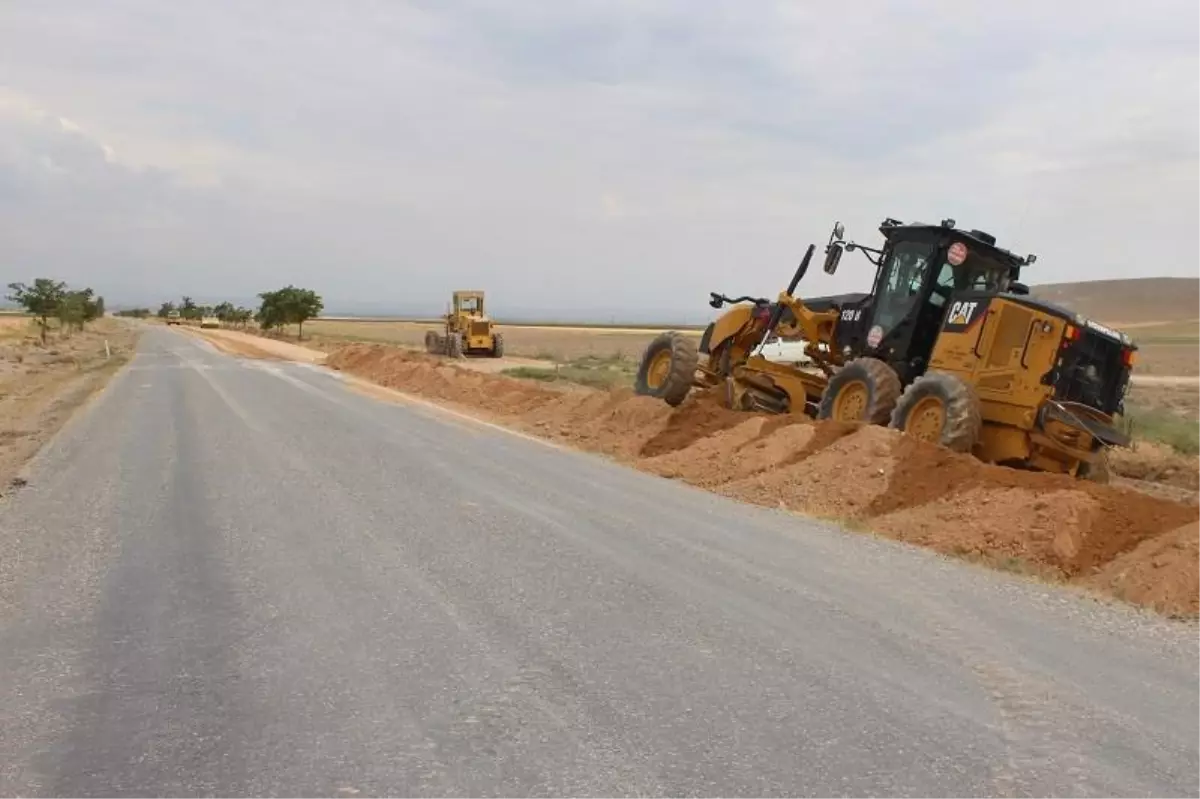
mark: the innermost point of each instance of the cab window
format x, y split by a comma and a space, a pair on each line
904, 275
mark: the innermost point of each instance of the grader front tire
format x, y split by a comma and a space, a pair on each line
668, 368
942, 409
498, 345
864, 390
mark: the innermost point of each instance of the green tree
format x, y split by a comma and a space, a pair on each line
95, 309
303, 304
42, 299
165, 309
288, 305
188, 308
73, 309
224, 312
242, 316
270, 313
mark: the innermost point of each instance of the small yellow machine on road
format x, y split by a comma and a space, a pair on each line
948, 347
467, 329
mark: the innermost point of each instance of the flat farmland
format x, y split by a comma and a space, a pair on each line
552, 343
1167, 348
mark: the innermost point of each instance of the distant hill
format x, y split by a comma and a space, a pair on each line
1135, 301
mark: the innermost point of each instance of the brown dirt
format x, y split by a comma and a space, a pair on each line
876, 478
1161, 573
1156, 463
838, 481
698, 417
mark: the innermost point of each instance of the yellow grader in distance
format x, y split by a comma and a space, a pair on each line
467, 329
948, 347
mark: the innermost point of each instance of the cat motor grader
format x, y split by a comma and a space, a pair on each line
466, 329
948, 347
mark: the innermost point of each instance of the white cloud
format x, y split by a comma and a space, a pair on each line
600, 155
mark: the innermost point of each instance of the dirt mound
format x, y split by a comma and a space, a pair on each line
696, 462
1161, 573
839, 480
696, 418
984, 522
1100, 536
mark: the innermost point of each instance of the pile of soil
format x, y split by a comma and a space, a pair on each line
1110, 539
1160, 573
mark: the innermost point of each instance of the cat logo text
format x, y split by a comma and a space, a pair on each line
961, 313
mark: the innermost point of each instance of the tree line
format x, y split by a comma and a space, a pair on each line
47, 299
286, 306
227, 312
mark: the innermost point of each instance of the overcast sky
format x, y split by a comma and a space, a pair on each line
583, 156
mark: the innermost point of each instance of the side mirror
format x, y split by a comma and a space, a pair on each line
715, 300
839, 230
833, 255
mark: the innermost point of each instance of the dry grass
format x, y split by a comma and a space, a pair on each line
14, 325
40, 386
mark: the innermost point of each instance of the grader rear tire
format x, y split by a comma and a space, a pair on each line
432, 343
942, 409
668, 368
864, 390
454, 346
498, 345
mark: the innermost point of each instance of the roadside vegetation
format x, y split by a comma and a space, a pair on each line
277, 310
1164, 426
47, 299
594, 371
54, 354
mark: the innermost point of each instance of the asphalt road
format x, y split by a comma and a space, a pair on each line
242, 578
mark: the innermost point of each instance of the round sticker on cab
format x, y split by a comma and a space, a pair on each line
875, 336
957, 253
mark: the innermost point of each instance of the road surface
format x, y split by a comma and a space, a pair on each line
244, 577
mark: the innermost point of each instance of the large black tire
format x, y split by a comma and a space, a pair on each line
864, 390
942, 409
432, 343
1098, 471
668, 368
454, 345
497, 345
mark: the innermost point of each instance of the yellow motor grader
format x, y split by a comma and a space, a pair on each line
948, 346
467, 329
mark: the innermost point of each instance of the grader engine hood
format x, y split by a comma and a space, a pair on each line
1093, 362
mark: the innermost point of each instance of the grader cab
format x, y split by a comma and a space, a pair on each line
467, 329
948, 347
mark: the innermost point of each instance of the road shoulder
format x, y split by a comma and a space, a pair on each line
41, 386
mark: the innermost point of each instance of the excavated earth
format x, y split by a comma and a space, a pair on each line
1107, 539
